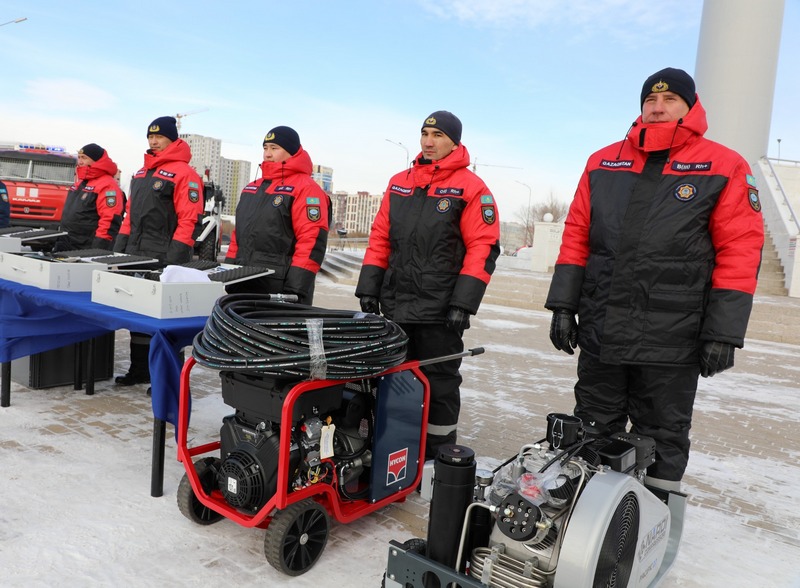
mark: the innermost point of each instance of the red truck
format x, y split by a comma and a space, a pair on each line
38, 178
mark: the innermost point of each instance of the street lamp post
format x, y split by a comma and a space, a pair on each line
399, 144
14, 21
528, 232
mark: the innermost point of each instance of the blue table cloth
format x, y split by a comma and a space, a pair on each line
33, 320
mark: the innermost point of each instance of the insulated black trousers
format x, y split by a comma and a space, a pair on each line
426, 341
658, 401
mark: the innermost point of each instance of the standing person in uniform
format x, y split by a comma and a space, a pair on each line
5, 207
94, 205
164, 207
659, 259
432, 250
281, 221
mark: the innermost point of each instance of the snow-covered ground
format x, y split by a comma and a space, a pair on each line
75, 505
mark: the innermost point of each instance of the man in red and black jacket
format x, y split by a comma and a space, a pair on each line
432, 250
281, 221
659, 259
93, 208
166, 199
164, 208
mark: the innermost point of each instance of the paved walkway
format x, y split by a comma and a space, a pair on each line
743, 526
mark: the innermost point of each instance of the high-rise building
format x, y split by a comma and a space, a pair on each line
360, 211
231, 175
205, 155
234, 175
323, 176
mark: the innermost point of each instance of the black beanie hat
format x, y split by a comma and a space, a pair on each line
670, 79
164, 125
285, 137
92, 151
447, 122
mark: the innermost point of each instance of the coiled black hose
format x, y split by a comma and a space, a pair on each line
250, 332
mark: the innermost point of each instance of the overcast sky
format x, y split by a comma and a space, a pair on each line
539, 85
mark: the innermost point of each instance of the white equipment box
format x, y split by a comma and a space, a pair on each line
12, 239
36, 270
10, 244
155, 299
165, 300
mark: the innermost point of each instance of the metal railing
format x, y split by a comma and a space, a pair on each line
336, 243
782, 190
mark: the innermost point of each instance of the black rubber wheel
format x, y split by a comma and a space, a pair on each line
296, 537
414, 545
190, 507
207, 248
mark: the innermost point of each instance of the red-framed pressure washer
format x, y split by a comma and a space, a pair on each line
297, 518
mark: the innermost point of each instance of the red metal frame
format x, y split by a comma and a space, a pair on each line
324, 493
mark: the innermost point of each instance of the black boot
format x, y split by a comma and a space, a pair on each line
139, 370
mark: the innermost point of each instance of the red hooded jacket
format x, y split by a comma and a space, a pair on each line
434, 241
165, 206
93, 208
661, 247
282, 224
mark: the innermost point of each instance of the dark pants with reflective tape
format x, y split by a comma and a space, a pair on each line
658, 400
434, 340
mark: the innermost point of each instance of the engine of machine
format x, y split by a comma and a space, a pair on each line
330, 438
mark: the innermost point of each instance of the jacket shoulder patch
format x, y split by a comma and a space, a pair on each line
752, 196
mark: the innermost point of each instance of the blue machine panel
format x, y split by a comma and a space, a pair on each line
398, 425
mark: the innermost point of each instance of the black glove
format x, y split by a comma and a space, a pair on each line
457, 319
715, 357
564, 331
120, 243
370, 304
98, 243
231, 260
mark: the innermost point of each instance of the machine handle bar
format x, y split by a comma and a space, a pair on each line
467, 353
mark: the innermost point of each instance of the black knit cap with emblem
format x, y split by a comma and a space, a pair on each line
447, 122
92, 151
166, 126
670, 79
285, 137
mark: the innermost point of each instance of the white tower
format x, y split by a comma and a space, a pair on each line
737, 61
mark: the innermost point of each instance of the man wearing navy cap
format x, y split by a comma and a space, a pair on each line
164, 208
432, 250
94, 205
281, 221
659, 261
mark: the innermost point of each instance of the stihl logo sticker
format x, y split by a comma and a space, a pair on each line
397, 466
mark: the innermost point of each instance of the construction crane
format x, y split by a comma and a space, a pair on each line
474, 164
178, 117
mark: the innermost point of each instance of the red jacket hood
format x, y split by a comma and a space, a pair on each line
299, 163
178, 150
103, 166
440, 168
658, 136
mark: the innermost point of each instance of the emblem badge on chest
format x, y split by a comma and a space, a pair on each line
685, 192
